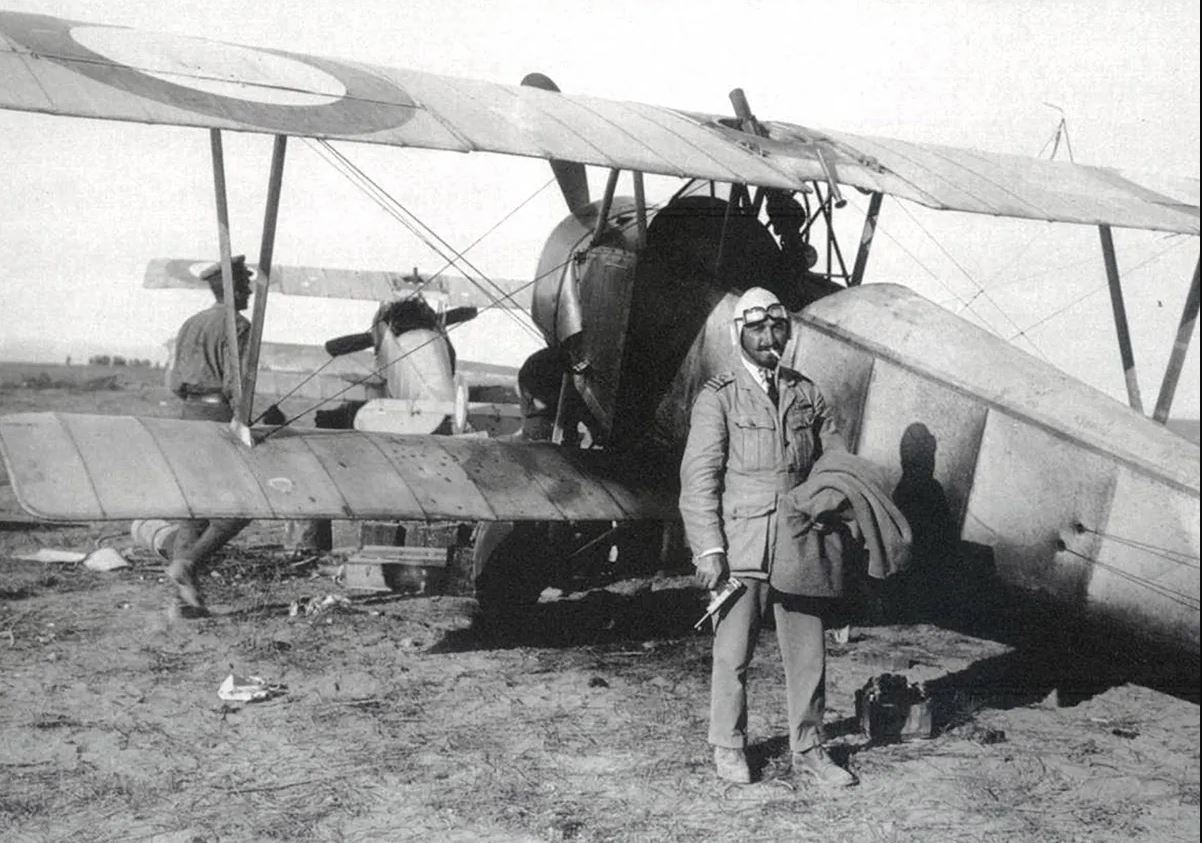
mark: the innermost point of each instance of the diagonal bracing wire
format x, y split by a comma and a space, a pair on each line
1179, 597
415, 226
1099, 288
981, 291
424, 283
496, 303
965, 305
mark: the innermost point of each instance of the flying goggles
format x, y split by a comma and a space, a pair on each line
756, 315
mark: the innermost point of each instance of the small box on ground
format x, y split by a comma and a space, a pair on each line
421, 570
891, 708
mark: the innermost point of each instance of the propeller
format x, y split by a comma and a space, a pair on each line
349, 344
460, 314
571, 175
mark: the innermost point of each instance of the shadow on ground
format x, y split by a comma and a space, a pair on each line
595, 617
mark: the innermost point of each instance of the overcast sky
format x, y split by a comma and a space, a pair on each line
88, 203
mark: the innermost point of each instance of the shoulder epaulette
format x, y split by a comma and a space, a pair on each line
720, 380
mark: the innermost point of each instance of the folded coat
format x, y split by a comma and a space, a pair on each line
841, 488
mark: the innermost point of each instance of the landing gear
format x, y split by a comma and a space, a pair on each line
512, 562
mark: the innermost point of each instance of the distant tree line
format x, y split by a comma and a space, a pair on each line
118, 360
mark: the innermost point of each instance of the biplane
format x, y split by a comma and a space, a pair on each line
1069, 494
402, 374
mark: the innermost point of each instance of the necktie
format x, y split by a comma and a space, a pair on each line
770, 385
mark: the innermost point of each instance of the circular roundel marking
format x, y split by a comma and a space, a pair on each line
223, 70
264, 89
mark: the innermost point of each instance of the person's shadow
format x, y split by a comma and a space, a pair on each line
954, 584
941, 577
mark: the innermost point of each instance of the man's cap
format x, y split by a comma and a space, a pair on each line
238, 262
753, 297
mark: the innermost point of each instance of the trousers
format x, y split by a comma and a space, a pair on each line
196, 540
800, 624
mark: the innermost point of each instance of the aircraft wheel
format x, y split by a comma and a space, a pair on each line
511, 565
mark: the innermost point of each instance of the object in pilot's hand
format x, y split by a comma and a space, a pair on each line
724, 594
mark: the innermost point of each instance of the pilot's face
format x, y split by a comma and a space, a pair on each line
241, 291
761, 339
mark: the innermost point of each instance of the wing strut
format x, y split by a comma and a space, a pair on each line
227, 268
1185, 332
607, 201
1120, 320
874, 210
640, 205
263, 278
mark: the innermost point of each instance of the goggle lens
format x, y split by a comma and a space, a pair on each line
756, 315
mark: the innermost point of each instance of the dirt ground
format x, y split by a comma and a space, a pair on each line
402, 717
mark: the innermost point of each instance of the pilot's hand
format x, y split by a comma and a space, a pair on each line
711, 570
826, 522
821, 512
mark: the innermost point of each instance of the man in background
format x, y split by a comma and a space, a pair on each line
205, 383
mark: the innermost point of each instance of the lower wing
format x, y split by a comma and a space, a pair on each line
92, 467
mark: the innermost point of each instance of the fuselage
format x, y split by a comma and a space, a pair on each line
1052, 486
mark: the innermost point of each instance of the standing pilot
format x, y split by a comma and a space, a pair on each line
755, 433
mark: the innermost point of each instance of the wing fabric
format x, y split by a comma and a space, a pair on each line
287, 369
92, 467
357, 284
65, 67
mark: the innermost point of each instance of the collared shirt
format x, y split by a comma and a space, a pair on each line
760, 374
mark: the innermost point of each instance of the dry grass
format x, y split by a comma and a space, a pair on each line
403, 720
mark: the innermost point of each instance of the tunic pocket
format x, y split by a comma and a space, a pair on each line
799, 423
756, 439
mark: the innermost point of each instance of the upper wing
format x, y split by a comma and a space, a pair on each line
90, 467
59, 66
368, 285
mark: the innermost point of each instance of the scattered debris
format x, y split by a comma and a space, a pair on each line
986, 735
50, 554
248, 689
105, 559
319, 605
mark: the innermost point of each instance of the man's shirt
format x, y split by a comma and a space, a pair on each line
200, 354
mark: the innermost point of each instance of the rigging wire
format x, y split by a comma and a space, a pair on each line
424, 283
1097, 289
419, 229
416, 292
1179, 597
981, 291
1060, 132
880, 229
379, 369
1178, 557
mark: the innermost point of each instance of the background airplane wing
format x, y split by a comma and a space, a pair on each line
65, 67
360, 284
308, 371
287, 369
283, 365
81, 466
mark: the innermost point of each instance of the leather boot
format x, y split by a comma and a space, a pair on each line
731, 765
816, 765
